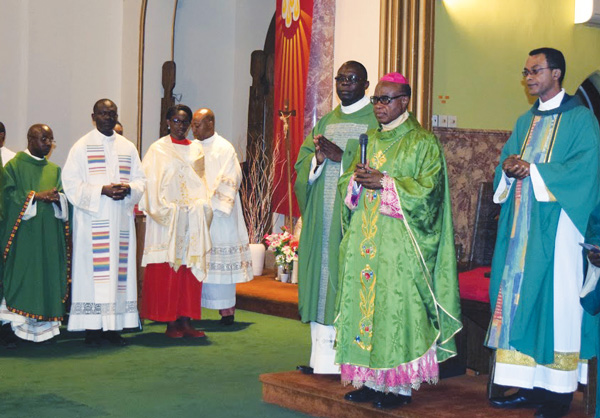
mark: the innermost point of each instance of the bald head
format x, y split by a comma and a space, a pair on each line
203, 124
39, 140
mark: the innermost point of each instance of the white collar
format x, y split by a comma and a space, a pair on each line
113, 136
356, 106
552, 103
395, 123
209, 140
31, 155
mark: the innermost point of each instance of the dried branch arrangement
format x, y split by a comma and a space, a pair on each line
257, 188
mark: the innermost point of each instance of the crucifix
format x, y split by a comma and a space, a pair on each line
284, 115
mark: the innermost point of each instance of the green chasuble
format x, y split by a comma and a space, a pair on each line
318, 250
568, 162
34, 250
398, 292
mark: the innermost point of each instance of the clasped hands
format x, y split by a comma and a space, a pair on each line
116, 191
324, 148
515, 167
47, 196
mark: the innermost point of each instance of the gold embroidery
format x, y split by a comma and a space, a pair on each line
228, 181
223, 197
369, 223
378, 160
562, 361
367, 308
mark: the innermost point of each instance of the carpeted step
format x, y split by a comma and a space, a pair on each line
266, 295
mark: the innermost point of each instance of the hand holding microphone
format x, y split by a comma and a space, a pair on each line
365, 175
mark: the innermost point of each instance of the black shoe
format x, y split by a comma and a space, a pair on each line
552, 410
93, 337
227, 320
8, 337
515, 401
305, 369
114, 338
363, 394
391, 400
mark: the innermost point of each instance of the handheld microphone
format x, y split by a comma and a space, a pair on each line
363, 139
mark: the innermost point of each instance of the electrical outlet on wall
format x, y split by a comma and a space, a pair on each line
434, 120
451, 121
443, 121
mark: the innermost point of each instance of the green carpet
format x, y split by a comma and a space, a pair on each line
155, 376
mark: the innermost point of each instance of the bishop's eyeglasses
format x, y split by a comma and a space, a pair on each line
385, 99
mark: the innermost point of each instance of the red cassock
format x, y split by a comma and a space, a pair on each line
168, 294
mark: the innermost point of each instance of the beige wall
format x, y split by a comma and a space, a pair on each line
357, 37
481, 48
54, 67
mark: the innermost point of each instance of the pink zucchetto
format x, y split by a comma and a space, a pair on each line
394, 78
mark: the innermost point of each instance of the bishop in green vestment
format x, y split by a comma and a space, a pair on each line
547, 183
34, 241
398, 303
323, 157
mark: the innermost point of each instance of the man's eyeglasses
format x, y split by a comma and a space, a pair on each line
534, 71
180, 122
385, 99
352, 79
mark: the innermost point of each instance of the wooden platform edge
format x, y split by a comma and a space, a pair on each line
318, 403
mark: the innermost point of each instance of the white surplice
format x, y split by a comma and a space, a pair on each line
104, 277
177, 208
6, 155
230, 261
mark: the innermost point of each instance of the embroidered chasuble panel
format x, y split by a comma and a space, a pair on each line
340, 134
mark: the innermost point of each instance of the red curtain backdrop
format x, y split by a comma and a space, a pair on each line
293, 25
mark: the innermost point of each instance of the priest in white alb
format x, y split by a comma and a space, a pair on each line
230, 261
103, 180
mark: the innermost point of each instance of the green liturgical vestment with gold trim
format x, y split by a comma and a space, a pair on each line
34, 250
398, 296
570, 169
318, 250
